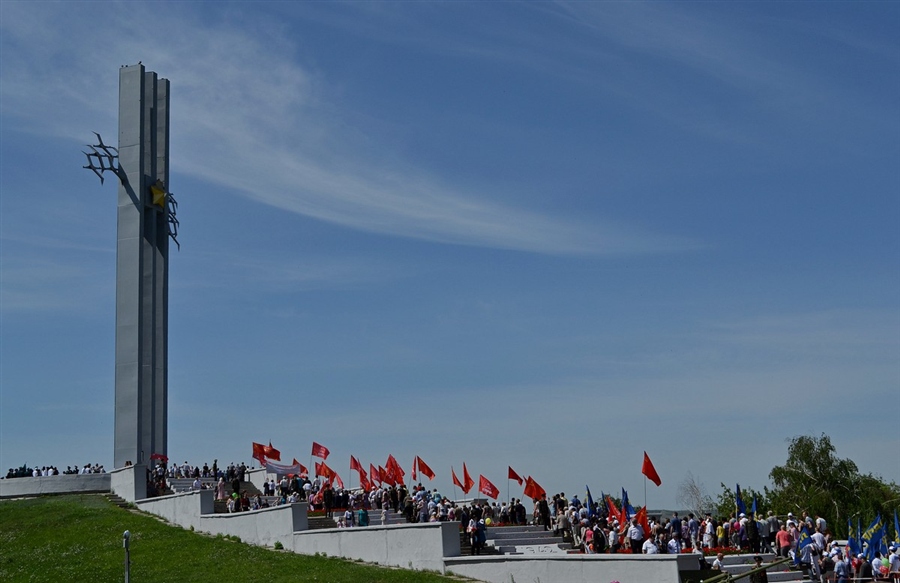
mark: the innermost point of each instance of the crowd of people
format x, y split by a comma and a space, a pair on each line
591, 528
36, 472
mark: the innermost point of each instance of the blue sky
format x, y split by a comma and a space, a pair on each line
545, 235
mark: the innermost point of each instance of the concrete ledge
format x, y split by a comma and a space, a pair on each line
130, 482
412, 546
263, 527
568, 568
183, 509
62, 484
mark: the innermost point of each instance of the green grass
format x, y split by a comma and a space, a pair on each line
79, 538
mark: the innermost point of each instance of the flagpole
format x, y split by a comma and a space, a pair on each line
645, 491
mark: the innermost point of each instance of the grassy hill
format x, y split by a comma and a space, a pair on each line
79, 538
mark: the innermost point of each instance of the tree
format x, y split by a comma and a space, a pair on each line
693, 496
725, 504
816, 481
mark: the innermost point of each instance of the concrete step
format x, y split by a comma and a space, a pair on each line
740, 564
117, 500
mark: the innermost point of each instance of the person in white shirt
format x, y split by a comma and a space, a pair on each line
718, 563
649, 547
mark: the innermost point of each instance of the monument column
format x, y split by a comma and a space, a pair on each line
142, 257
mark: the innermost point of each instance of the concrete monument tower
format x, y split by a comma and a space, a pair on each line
146, 221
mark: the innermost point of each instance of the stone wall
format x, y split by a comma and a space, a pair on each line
411, 546
62, 484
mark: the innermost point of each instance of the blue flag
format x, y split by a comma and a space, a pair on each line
872, 530
590, 501
872, 537
629, 509
896, 528
737, 499
852, 543
875, 544
753, 508
804, 541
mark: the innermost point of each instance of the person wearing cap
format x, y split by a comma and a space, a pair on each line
894, 568
759, 576
864, 573
826, 566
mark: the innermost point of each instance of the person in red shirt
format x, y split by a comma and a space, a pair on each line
783, 540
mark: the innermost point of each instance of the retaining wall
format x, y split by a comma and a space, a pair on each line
129, 483
62, 484
263, 527
568, 568
411, 546
183, 509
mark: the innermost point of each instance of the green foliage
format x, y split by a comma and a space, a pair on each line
279, 546
725, 503
79, 538
816, 481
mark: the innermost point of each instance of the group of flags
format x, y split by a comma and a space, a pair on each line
874, 539
392, 474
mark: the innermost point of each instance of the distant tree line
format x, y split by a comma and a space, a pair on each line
812, 480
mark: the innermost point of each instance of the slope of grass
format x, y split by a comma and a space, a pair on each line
79, 538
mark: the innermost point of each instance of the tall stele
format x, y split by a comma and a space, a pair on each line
146, 222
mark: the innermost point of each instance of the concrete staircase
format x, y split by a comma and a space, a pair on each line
526, 540
117, 500
739, 564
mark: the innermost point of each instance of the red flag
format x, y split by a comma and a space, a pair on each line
642, 520
364, 481
416, 459
533, 490
373, 473
385, 477
424, 469
259, 452
397, 472
468, 482
512, 475
303, 470
320, 451
649, 471
332, 475
456, 480
272, 453
486, 488
611, 508
355, 465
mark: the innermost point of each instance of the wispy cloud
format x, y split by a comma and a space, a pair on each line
250, 120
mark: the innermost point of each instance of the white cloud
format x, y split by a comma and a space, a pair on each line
247, 118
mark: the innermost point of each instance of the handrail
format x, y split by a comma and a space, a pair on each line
726, 577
